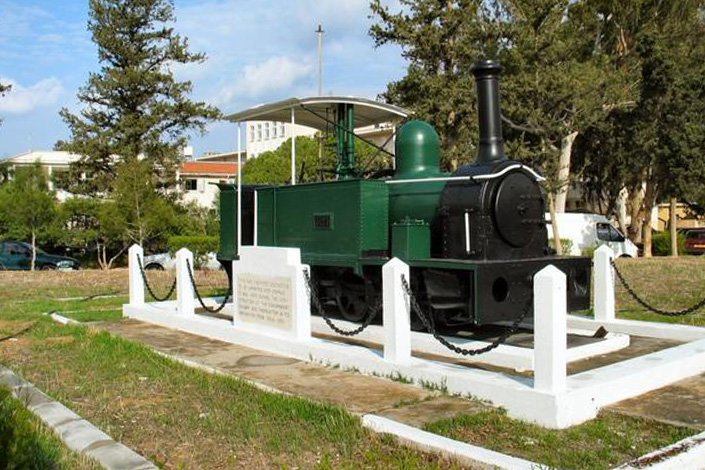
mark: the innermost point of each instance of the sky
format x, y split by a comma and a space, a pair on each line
258, 51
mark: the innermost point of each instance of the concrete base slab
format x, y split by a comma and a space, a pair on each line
434, 409
580, 401
680, 404
519, 357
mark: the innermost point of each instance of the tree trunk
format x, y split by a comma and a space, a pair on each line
34, 250
554, 224
674, 225
649, 202
621, 209
635, 227
564, 171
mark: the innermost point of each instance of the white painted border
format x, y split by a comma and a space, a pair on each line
460, 451
692, 458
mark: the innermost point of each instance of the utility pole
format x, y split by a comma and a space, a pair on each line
319, 33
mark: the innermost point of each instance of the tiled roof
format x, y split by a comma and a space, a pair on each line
209, 168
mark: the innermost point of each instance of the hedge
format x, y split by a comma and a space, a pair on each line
199, 245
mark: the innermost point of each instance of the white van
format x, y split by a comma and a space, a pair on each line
591, 230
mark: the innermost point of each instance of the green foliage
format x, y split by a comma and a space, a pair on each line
198, 220
661, 243
27, 207
139, 212
199, 245
554, 84
274, 167
134, 106
4, 89
658, 142
566, 243
589, 251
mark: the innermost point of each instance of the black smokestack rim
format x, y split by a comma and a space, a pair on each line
491, 148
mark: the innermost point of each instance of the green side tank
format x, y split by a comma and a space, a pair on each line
417, 157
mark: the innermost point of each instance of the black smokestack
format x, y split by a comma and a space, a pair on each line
491, 149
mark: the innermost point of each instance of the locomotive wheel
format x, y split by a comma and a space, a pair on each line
351, 294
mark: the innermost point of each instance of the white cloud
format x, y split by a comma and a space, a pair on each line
23, 99
277, 74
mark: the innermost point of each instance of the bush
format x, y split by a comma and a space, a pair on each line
661, 243
199, 245
589, 251
566, 243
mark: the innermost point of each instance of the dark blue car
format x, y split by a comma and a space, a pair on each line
17, 256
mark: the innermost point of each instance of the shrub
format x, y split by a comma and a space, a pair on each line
661, 243
589, 251
566, 243
199, 245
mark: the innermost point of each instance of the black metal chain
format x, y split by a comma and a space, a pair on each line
149, 288
431, 327
313, 294
220, 306
646, 305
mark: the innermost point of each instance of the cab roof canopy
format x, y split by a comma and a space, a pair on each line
314, 111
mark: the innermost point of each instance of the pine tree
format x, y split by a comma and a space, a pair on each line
133, 108
4, 89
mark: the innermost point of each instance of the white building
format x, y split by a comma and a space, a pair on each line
53, 162
265, 136
199, 180
196, 177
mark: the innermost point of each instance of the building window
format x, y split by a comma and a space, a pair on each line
252, 132
266, 130
274, 130
281, 130
259, 132
191, 184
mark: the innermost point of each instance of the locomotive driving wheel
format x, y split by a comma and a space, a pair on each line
353, 295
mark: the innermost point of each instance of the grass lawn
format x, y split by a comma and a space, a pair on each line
178, 417
183, 418
666, 283
25, 443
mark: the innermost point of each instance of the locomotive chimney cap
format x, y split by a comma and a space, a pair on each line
486, 68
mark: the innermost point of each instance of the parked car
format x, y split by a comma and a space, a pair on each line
164, 261
17, 256
591, 230
695, 241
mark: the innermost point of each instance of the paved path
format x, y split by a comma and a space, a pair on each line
680, 403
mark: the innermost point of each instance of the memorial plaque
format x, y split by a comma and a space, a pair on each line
265, 300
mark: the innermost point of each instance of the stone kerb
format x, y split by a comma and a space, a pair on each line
135, 256
270, 295
604, 284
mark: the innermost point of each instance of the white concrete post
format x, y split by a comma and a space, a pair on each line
185, 301
302, 305
550, 330
604, 284
136, 282
396, 307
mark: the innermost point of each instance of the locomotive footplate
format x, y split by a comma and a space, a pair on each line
482, 292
